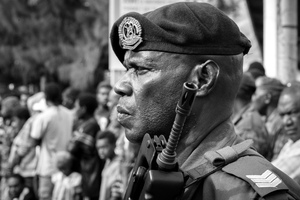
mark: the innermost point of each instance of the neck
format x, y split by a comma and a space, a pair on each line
208, 134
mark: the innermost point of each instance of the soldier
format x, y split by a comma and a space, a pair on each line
265, 100
192, 42
247, 122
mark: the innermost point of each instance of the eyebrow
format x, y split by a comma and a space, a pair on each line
137, 61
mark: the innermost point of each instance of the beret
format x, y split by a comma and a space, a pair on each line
269, 84
185, 28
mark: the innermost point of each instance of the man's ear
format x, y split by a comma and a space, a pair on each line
205, 76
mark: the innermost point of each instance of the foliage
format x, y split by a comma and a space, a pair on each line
60, 39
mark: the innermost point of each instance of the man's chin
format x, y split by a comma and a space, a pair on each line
133, 137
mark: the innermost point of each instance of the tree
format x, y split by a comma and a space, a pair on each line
61, 40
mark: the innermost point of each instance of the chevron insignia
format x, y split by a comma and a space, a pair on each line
267, 179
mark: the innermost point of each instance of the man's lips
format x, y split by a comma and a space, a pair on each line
290, 131
123, 114
122, 110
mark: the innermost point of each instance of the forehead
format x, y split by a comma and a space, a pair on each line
154, 58
101, 142
289, 101
13, 181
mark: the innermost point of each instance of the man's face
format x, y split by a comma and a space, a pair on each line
105, 149
289, 109
67, 102
149, 91
259, 100
103, 95
17, 123
14, 187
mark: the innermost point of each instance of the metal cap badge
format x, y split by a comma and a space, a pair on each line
130, 31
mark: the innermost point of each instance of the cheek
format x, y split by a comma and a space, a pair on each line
157, 105
297, 121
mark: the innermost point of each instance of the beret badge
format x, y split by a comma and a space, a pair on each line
130, 31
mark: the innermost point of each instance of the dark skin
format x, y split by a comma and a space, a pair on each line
152, 85
289, 110
262, 102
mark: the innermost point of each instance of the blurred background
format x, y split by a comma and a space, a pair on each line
66, 41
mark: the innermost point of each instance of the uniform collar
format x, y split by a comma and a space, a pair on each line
223, 135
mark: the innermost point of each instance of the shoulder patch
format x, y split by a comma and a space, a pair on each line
258, 173
267, 179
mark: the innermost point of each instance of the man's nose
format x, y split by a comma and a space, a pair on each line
123, 87
287, 120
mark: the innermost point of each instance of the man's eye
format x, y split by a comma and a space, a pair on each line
140, 70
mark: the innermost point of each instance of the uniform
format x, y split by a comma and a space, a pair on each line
235, 173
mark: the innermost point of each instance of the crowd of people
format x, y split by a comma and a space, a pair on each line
66, 145
63, 145
70, 145
267, 112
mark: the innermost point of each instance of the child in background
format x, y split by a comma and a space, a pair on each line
67, 184
16, 189
111, 173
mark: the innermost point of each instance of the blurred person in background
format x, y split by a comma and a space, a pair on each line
256, 69
106, 144
103, 110
67, 184
52, 131
288, 159
24, 95
265, 100
8, 107
248, 122
16, 189
69, 97
114, 126
83, 148
22, 157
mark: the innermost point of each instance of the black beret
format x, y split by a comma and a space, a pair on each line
184, 28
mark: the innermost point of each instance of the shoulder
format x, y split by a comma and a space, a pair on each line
250, 120
262, 176
253, 118
248, 177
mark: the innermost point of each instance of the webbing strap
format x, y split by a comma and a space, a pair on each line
227, 154
215, 160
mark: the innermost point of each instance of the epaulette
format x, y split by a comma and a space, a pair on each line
243, 162
260, 174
